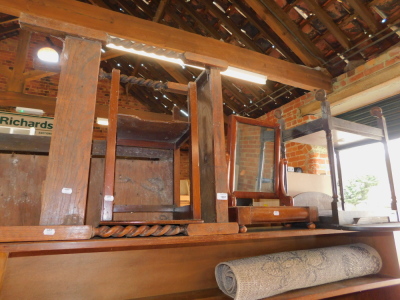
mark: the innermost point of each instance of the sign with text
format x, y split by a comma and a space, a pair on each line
42, 125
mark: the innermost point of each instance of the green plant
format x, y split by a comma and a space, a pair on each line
356, 190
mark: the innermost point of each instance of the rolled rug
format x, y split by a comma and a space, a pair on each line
267, 275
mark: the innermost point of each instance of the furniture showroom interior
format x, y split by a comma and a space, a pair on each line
199, 149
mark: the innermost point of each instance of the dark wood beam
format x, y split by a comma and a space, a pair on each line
8, 19
231, 26
365, 14
86, 20
197, 17
264, 31
323, 16
8, 29
16, 83
160, 10
287, 30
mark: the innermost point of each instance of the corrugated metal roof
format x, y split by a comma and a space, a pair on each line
391, 111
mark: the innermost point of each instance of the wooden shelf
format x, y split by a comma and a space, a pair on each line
324, 291
118, 244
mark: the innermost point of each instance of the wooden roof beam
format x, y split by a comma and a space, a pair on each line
323, 16
231, 26
207, 27
294, 38
255, 22
76, 18
364, 14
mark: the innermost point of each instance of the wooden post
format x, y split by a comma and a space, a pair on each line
109, 163
194, 152
65, 189
213, 167
3, 265
16, 83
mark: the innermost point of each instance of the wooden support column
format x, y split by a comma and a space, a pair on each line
17, 80
65, 188
194, 152
213, 167
3, 264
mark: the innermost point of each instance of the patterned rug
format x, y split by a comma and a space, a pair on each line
267, 275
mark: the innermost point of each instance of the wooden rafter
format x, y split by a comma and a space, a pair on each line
328, 22
160, 11
300, 45
207, 27
74, 17
243, 38
364, 14
4, 30
269, 35
17, 79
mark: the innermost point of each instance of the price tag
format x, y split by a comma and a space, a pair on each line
66, 191
49, 231
108, 198
222, 196
276, 213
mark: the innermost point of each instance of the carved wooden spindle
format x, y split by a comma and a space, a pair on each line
320, 95
133, 231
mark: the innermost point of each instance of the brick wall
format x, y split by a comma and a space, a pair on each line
314, 159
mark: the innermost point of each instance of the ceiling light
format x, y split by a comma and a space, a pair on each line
30, 111
48, 54
231, 71
184, 113
102, 121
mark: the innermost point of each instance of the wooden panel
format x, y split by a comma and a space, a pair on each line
99, 19
72, 135
22, 177
143, 182
114, 275
213, 169
212, 229
95, 192
44, 233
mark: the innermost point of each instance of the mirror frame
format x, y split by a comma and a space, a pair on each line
232, 140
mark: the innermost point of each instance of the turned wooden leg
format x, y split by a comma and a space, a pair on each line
242, 229
311, 225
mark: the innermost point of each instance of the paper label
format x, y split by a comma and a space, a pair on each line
49, 231
66, 191
222, 196
276, 213
108, 198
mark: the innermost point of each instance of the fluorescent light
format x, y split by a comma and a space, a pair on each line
102, 121
30, 111
151, 55
245, 75
231, 71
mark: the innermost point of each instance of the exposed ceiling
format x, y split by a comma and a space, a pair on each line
336, 35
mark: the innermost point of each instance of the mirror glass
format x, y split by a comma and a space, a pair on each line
255, 159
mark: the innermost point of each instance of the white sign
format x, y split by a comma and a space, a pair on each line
42, 125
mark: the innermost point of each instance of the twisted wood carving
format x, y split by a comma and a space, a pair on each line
133, 231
